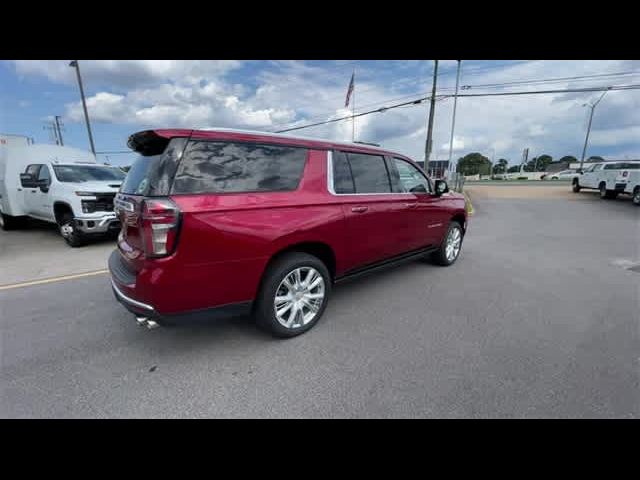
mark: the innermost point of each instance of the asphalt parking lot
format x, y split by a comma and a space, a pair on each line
539, 318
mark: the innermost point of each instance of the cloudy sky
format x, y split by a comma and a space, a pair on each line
125, 96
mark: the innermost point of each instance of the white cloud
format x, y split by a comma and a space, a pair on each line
272, 95
126, 73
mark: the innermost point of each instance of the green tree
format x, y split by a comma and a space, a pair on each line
595, 158
473, 164
501, 166
538, 164
569, 159
513, 169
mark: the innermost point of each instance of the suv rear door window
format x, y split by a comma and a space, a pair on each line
369, 173
228, 167
342, 178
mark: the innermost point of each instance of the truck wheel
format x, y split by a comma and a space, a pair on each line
604, 193
295, 291
451, 245
8, 222
636, 196
576, 186
69, 232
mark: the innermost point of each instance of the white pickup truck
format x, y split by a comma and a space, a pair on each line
61, 185
610, 178
633, 186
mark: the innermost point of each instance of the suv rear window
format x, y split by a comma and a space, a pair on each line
151, 175
232, 167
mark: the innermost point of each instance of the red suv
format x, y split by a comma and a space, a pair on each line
228, 222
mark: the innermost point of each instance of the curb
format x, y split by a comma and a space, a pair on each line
468, 205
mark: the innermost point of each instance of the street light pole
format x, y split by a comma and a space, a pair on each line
586, 140
75, 64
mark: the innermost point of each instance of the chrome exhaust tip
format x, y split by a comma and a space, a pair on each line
142, 320
151, 324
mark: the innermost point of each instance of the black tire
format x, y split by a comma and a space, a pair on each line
576, 186
606, 194
275, 274
636, 196
439, 257
9, 222
75, 238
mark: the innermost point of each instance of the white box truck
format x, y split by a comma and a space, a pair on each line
61, 185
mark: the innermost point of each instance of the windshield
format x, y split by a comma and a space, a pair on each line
87, 173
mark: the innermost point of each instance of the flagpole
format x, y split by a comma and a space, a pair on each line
353, 109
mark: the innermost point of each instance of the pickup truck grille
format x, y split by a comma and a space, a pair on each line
102, 203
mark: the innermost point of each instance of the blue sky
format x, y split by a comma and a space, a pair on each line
125, 96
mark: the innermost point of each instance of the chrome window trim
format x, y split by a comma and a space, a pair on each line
330, 186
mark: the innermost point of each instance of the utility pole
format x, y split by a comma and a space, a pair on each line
53, 131
586, 140
75, 64
525, 156
428, 145
453, 120
57, 120
353, 109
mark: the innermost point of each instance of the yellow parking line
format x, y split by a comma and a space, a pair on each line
468, 204
52, 279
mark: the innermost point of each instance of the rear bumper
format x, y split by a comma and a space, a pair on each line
123, 281
134, 306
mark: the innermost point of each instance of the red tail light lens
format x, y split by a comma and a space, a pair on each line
160, 222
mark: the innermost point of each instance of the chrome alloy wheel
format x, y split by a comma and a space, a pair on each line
299, 297
454, 240
67, 229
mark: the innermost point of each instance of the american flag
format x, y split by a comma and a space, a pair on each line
350, 90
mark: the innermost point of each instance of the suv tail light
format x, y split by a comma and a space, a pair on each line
160, 221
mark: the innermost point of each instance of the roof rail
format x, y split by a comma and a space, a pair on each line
367, 143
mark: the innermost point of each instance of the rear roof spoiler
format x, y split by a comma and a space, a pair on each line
153, 142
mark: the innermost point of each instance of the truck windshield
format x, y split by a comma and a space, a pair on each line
87, 173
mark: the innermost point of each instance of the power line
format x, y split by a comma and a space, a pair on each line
466, 87
568, 90
553, 80
420, 100
382, 109
115, 152
396, 83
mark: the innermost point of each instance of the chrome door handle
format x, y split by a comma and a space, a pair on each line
411, 205
359, 209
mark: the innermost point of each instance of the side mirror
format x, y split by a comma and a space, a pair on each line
441, 187
44, 185
419, 189
27, 180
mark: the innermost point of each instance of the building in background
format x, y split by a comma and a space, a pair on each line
11, 140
